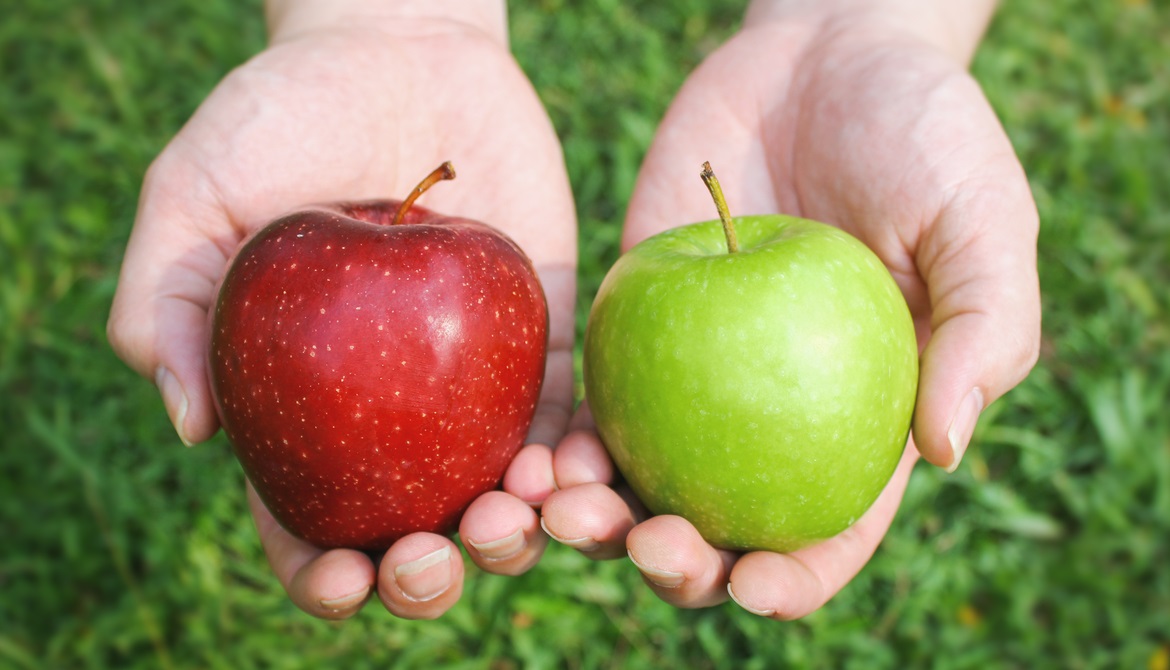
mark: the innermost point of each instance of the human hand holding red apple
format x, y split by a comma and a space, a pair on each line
324, 116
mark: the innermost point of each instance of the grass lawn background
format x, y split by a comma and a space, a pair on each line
121, 549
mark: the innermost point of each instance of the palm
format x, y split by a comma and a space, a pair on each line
889, 140
299, 124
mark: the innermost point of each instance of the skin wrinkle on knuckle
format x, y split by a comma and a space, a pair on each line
1020, 355
124, 337
809, 601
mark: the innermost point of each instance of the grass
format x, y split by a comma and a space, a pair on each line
121, 549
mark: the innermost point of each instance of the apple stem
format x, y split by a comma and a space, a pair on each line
716, 190
441, 173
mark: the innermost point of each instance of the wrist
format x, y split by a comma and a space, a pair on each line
289, 18
955, 26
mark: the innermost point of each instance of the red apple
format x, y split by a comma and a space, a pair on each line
376, 366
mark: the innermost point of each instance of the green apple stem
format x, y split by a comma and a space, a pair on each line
441, 173
720, 204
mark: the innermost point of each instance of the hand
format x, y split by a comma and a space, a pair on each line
857, 122
349, 110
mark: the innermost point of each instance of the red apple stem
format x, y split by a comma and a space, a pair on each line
441, 173
716, 190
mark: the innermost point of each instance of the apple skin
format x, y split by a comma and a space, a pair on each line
374, 379
765, 396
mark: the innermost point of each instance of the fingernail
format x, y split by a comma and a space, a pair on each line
175, 400
664, 578
425, 578
731, 592
963, 426
585, 544
503, 548
346, 602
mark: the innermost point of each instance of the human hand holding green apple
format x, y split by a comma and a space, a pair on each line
756, 376
858, 122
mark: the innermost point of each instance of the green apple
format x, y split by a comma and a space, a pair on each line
756, 376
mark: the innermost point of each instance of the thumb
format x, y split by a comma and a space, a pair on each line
979, 263
158, 320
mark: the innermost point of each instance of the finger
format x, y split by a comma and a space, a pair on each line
537, 471
979, 263
326, 584
421, 576
790, 586
554, 406
530, 475
581, 458
582, 419
556, 393
591, 518
158, 321
678, 564
502, 534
